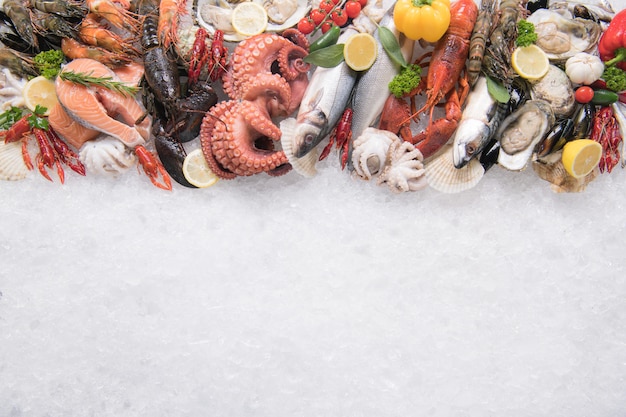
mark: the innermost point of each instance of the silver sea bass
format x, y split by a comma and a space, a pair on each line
481, 117
323, 103
372, 89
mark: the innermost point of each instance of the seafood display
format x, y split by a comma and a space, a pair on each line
140, 83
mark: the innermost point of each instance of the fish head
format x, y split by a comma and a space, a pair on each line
469, 139
309, 132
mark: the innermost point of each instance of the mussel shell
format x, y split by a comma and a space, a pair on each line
489, 156
559, 132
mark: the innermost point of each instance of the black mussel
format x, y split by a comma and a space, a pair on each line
560, 131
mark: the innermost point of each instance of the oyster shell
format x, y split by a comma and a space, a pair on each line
278, 11
520, 132
555, 88
444, 177
561, 35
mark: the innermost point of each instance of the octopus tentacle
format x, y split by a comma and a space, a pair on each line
213, 118
271, 91
291, 62
296, 37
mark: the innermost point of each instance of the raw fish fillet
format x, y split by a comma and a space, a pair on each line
102, 109
69, 129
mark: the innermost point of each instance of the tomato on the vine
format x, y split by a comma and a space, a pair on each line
584, 94
327, 25
327, 5
339, 17
306, 25
352, 8
363, 3
317, 16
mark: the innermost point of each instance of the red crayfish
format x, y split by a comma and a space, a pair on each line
53, 151
215, 57
606, 131
341, 134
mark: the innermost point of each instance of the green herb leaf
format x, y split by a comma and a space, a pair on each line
327, 57
391, 46
35, 119
9, 117
498, 91
89, 80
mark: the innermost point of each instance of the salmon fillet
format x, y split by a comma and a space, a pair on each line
101, 109
73, 132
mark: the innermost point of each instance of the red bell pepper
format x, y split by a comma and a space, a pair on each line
612, 44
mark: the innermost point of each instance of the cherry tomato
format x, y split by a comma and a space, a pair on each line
363, 3
339, 17
327, 25
306, 25
317, 16
353, 8
327, 5
336, 2
584, 94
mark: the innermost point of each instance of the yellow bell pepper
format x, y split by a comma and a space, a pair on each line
422, 19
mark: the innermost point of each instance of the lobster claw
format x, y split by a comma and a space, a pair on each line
153, 168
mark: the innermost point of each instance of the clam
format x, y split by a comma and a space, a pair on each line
561, 35
555, 88
520, 132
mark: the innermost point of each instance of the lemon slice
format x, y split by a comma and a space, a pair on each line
530, 62
40, 91
360, 51
249, 18
581, 156
197, 171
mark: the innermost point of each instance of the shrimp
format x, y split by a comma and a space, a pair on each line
169, 10
19, 64
116, 14
94, 34
74, 49
17, 11
478, 41
497, 59
63, 8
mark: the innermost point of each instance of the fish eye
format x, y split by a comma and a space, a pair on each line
308, 139
470, 149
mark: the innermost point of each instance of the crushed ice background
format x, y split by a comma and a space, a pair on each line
328, 296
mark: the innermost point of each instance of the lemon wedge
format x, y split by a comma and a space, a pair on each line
197, 171
581, 156
249, 18
360, 51
530, 62
40, 91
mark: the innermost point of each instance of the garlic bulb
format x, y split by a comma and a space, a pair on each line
584, 68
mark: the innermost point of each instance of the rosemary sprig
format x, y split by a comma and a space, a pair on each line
89, 80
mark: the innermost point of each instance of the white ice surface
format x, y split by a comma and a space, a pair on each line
330, 296
327, 296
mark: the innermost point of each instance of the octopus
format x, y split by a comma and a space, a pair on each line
266, 79
404, 171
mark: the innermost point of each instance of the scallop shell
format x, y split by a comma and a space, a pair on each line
12, 166
443, 176
304, 166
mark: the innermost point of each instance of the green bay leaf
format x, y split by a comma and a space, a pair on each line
498, 91
327, 57
391, 46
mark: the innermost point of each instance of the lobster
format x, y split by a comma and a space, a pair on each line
445, 70
341, 134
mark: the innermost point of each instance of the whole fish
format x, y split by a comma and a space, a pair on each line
323, 103
372, 89
480, 120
